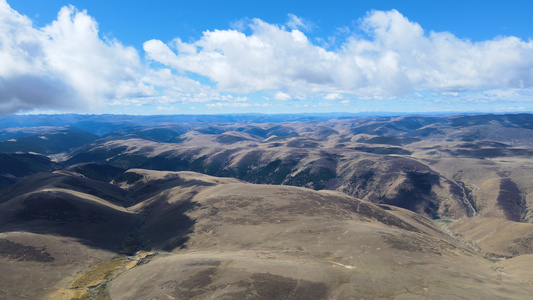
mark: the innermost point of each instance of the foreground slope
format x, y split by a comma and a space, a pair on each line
223, 238
270, 242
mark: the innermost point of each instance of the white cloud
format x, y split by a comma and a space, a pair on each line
234, 105
178, 89
239, 25
64, 65
333, 96
271, 58
451, 94
296, 22
511, 108
281, 96
184, 47
157, 50
396, 59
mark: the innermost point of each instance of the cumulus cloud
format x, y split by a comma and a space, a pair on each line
271, 58
333, 96
67, 65
281, 96
394, 57
64, 65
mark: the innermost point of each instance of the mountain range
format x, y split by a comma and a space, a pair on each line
266, 207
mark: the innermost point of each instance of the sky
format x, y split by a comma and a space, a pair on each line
212, 57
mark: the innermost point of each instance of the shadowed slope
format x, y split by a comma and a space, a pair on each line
67, 181
15, 166
91, 220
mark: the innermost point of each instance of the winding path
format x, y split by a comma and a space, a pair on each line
466, 198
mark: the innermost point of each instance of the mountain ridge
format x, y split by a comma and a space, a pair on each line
390, 207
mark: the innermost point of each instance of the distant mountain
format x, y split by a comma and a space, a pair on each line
383, 160
395, 168
48, 143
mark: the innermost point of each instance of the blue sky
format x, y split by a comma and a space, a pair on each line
206, 57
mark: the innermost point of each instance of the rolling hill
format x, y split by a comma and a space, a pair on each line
221, 237
266, 207
384, 160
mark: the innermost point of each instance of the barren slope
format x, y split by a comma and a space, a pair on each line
496, 236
